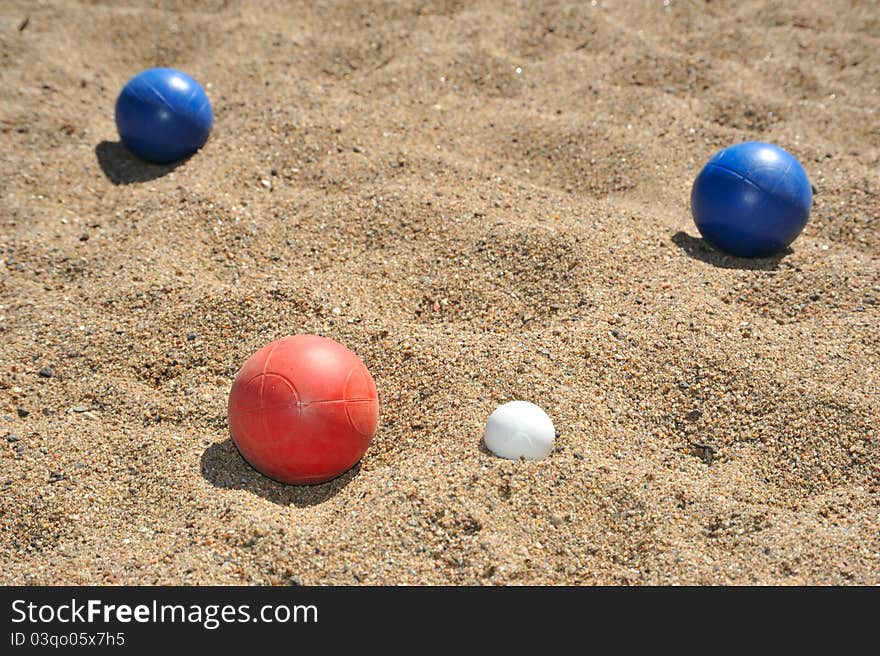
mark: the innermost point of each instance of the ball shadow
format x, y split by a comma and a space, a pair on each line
482, 448
223, 467
122, 167
698, 248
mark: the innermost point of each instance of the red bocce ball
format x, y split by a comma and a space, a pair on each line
303, 409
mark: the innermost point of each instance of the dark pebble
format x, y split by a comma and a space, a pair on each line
47, 372
190, 337
703, 452
12, 437
22, 412
83, 237
693, 415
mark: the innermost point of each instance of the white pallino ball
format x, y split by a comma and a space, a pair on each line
519, 429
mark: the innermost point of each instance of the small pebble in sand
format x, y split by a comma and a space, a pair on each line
47, 372
519, 429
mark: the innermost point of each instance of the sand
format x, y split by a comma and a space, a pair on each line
486, 201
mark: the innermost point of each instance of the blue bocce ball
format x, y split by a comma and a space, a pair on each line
163, 115
751, 200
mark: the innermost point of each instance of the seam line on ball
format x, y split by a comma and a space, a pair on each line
151, 101
303, 404
265, 369
739, 175
265, 419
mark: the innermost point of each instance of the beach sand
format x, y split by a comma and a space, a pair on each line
486, 201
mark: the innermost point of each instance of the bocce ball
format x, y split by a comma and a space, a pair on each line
163, 115
303, 409
519, 429
751, 200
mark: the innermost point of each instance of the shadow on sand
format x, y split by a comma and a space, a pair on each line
698, 249
122, 167
223, 467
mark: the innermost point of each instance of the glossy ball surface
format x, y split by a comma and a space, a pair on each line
163, 115
519, 429
751, 200
303, 409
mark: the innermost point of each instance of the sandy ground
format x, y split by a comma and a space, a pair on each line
486, 201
